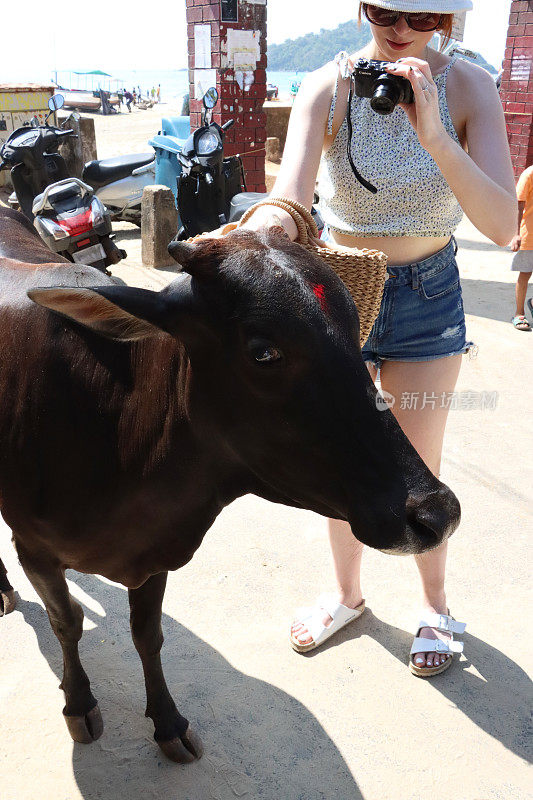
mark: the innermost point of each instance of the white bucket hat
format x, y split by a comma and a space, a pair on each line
432, 6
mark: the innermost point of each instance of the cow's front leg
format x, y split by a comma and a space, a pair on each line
81, 711
172, 731
8, 600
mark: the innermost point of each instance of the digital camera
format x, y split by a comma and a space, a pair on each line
384, 90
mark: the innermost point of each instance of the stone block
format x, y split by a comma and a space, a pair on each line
278, 121
272, 149
77, 152
159, 225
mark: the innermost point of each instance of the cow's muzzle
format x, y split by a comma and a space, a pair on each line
430, 520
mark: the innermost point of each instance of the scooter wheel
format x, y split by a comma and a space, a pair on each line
113, 253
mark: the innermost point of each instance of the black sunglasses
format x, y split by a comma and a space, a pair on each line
421, 22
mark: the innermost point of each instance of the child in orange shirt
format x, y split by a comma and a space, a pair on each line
522, 244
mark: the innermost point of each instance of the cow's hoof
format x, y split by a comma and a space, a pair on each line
86, 729
8, 601
184, 749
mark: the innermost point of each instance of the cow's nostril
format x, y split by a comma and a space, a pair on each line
434, 518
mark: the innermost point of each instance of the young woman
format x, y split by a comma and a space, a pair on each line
444, 154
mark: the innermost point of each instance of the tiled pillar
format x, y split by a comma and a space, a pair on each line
237, 33
516, 90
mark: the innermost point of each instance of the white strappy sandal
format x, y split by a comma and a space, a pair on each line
312, 619
440, 622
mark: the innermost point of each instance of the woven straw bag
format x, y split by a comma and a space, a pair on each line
363, 272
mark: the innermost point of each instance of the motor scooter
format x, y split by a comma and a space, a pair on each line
212, 189
119, 182
63, 209
208, 181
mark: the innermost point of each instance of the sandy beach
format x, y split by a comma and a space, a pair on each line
123, 133
347, 722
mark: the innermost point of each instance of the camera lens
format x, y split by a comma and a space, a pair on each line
385, 97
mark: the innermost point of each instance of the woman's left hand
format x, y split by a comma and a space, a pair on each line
423, 114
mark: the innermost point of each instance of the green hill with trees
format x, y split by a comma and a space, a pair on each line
313, 50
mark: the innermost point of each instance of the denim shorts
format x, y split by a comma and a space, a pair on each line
421, 315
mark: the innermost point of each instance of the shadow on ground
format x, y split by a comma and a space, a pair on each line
489, 299
130, 234
473, 684
259, 741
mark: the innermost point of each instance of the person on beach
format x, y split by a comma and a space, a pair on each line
158, 92
432, 160
129, 99
522, 245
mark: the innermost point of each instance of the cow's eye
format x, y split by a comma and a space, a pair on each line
264, 352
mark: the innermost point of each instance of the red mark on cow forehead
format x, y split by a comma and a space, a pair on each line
320, 293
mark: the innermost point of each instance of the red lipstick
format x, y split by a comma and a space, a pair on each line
398, 45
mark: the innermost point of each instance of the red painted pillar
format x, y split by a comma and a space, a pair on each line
516, 90
227, 43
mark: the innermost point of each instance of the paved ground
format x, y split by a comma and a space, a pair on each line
348, 722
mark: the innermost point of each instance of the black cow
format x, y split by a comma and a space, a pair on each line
130, 418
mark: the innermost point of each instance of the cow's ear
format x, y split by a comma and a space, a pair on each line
201, 258
118, 312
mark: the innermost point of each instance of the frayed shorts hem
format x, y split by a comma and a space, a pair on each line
378, 361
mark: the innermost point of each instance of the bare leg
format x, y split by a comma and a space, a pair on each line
66, 618
521, 291
8, 600
172, 731
424, 427
347, 554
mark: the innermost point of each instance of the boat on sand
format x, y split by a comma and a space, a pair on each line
83, 101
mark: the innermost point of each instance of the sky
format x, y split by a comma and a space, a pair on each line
113, 34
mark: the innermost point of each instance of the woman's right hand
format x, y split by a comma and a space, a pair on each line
266, 217
515, 243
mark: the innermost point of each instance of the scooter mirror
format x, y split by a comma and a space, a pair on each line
211, 98
56, 102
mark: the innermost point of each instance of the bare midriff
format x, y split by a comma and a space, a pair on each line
400, 250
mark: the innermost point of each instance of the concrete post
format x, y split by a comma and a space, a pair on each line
159, 225
227, 45
272, 149
516, 90
77, 152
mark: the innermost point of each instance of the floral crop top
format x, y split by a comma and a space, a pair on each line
413, 198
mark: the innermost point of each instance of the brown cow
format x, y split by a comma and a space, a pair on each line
130, 418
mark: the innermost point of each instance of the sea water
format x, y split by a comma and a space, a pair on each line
174, 83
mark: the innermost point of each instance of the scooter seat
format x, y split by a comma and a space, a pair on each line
242, 202
108, 170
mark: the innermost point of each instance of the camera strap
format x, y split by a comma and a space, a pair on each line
362, 181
